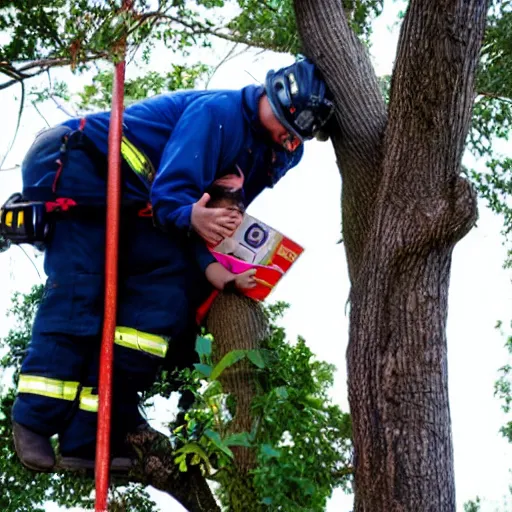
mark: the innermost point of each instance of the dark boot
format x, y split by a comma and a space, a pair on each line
124, 455
34, 450
121, 463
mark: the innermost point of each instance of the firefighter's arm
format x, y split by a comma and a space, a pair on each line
196, 150
203, 255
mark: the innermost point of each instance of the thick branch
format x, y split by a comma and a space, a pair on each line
361, 114
494, 96
156, 467
432, 93
40, 66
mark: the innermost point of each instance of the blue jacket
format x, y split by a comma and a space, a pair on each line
192, 138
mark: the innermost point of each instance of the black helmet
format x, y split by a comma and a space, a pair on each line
299, 98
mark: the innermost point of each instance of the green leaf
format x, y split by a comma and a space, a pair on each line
180, 458
203, 346
195, 449
270, 451
238, 439
313, 402
228, 360
215, 438
203, 369
256, 358
281, 392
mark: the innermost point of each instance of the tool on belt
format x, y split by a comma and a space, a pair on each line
31, 222
23, 222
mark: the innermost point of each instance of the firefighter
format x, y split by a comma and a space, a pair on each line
174, 147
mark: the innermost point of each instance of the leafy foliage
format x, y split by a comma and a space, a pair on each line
23, 308
41, 35
496, 60
503, 386
271, 24
492, 117
98, 95
132, 498
305, 449
268, 24
38, 39
472, 506
301, 439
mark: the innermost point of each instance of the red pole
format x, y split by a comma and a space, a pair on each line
102, 465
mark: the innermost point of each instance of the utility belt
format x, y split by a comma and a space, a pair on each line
31, 222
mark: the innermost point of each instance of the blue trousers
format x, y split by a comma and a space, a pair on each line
157, 277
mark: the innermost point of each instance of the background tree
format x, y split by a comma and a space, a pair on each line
404, 203
404, 208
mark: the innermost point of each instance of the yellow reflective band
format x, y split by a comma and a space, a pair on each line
61, 389
143, 341
137, 160
8, 219
88, 400
21, 217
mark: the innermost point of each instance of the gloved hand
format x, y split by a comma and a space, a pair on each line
214, 224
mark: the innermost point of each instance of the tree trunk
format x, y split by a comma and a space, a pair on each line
404, 208
237, 322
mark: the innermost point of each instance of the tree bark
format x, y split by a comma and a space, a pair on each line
156, 467
404, 208
237, 322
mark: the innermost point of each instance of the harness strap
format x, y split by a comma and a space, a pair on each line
61, 204
138, 161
